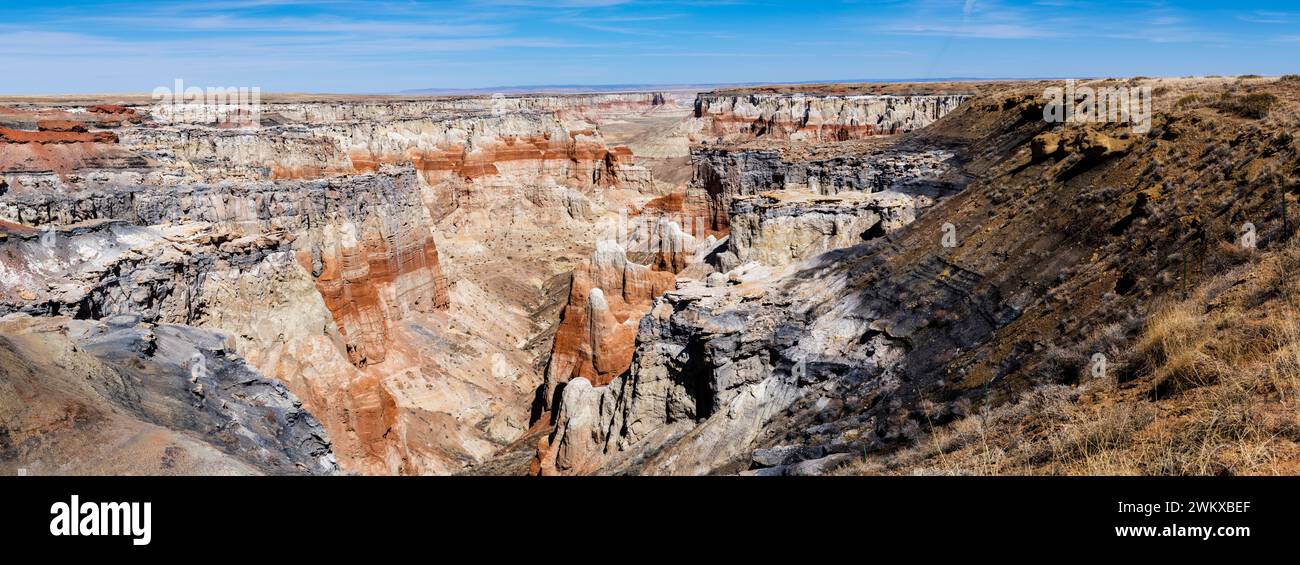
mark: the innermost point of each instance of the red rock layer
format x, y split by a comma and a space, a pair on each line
376, 283
61, 146
690, 208
371, 414
705, 212
594, 339
55, 136
61, 125
585, 162
111, 114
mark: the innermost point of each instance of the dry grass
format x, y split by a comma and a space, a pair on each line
1211, 386
1253, 105
1187, 101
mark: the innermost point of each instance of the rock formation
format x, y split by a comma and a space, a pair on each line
314, 240
607, 297
738, 116
121, 396
824, 359
723, 173
780, 227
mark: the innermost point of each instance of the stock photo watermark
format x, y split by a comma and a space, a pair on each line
1075, 104
640, 234
1248, 236
949, 238
233, 106
1098, 369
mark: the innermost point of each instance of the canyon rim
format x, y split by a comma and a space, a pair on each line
800, 279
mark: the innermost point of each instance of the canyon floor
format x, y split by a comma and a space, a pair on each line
818, 279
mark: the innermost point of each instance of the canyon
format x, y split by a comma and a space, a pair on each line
732, 281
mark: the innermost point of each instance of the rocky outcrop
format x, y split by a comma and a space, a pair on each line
713, 367
114, 115
732, 117
451, 152
57, 141
125, 397
108, 267
362, 238
722, 174
781, 227
716, 361
607, 297
335, 266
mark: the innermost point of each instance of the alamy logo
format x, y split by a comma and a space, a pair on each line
1098, 366
1248, 235
235, 106
76, 518
949, 238
1095, 104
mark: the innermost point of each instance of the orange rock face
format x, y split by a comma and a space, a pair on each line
55, 136
60, 146
376, 282
597, 330
693, 209
61, 125
110, 114
585, 162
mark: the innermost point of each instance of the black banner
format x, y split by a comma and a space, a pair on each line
303, 516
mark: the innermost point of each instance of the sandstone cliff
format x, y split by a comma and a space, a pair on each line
730, 116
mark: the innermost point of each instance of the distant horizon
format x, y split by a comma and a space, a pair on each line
596, 87
355, 47
526, 89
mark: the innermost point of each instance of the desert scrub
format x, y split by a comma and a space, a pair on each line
1255, 105
1209, 386
1188, 101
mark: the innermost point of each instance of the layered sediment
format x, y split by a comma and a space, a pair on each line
814, 117
780, 227
314, 239
721, 174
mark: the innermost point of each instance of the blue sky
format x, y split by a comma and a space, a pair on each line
363, 46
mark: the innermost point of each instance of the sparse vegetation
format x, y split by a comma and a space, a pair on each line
1187, 101
1210, 386
1255, 105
